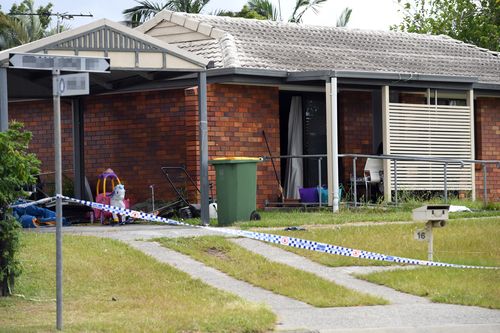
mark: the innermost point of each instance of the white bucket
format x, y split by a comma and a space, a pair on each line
212, 210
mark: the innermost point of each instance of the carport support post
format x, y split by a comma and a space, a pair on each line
332, 144
78, 149
4, 101
202, 109
58, 179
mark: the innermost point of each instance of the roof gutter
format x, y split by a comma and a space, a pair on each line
248, 71
323, 75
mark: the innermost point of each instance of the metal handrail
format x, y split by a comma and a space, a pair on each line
395, 159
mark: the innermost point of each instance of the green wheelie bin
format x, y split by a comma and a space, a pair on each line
236, 181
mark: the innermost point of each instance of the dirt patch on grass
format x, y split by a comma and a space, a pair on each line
216, 252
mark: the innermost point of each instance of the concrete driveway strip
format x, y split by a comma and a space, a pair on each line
284, 307
340, 275
406, 313
134, 231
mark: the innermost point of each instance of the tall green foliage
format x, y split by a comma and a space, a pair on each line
265, 10
20, 29
146, 9
245, 12
17, 167
472, 21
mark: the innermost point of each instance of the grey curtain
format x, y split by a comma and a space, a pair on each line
294, 166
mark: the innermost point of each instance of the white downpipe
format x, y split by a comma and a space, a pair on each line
335, 143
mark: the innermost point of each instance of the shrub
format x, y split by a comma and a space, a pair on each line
17, 167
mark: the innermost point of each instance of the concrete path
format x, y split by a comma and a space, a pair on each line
339, 275
406, 313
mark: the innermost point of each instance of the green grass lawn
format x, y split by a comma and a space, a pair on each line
363, 214
242, 264
148, 295
470, 242
445, 285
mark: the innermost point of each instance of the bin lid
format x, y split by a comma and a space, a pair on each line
235, 159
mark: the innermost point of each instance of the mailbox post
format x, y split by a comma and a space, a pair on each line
434, 216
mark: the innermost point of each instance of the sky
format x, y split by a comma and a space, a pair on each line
366, 14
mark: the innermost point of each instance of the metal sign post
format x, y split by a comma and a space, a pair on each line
58, 179
62, 85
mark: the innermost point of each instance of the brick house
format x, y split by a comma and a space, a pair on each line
418, 95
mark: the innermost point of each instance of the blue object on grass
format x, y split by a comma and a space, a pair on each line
25, 216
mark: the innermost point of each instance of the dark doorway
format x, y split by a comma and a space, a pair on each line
314, 133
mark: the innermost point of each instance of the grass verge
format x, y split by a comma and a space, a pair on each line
469, 242
445, 285
111, 287
378, 213
242, 264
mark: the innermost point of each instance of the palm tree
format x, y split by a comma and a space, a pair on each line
266, 9
21, 29
302, 6
344, 17
146, 9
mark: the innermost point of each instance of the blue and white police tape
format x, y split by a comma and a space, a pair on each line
277, 239
32, 203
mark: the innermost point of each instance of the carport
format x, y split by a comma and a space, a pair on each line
135, 59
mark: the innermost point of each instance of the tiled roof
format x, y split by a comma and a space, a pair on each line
296, 47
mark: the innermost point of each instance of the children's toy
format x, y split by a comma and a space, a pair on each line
117, 200
104, 197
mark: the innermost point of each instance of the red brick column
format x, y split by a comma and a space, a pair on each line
487, 134
192, 136
237, 115
355, 129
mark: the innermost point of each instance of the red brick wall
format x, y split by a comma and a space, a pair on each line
487, 132
135, 134
38, 118
237, 115
355, 129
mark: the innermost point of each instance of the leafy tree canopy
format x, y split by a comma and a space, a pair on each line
245, 12
17, 165
20, 29
471, 21
27, 6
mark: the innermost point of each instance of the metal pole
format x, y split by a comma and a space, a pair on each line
58, 180
485, 195
396, 182
152, 196
202, 109
78, 149
335, 145
355, 184
4, 101
430, 248
446, 183
319, 180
